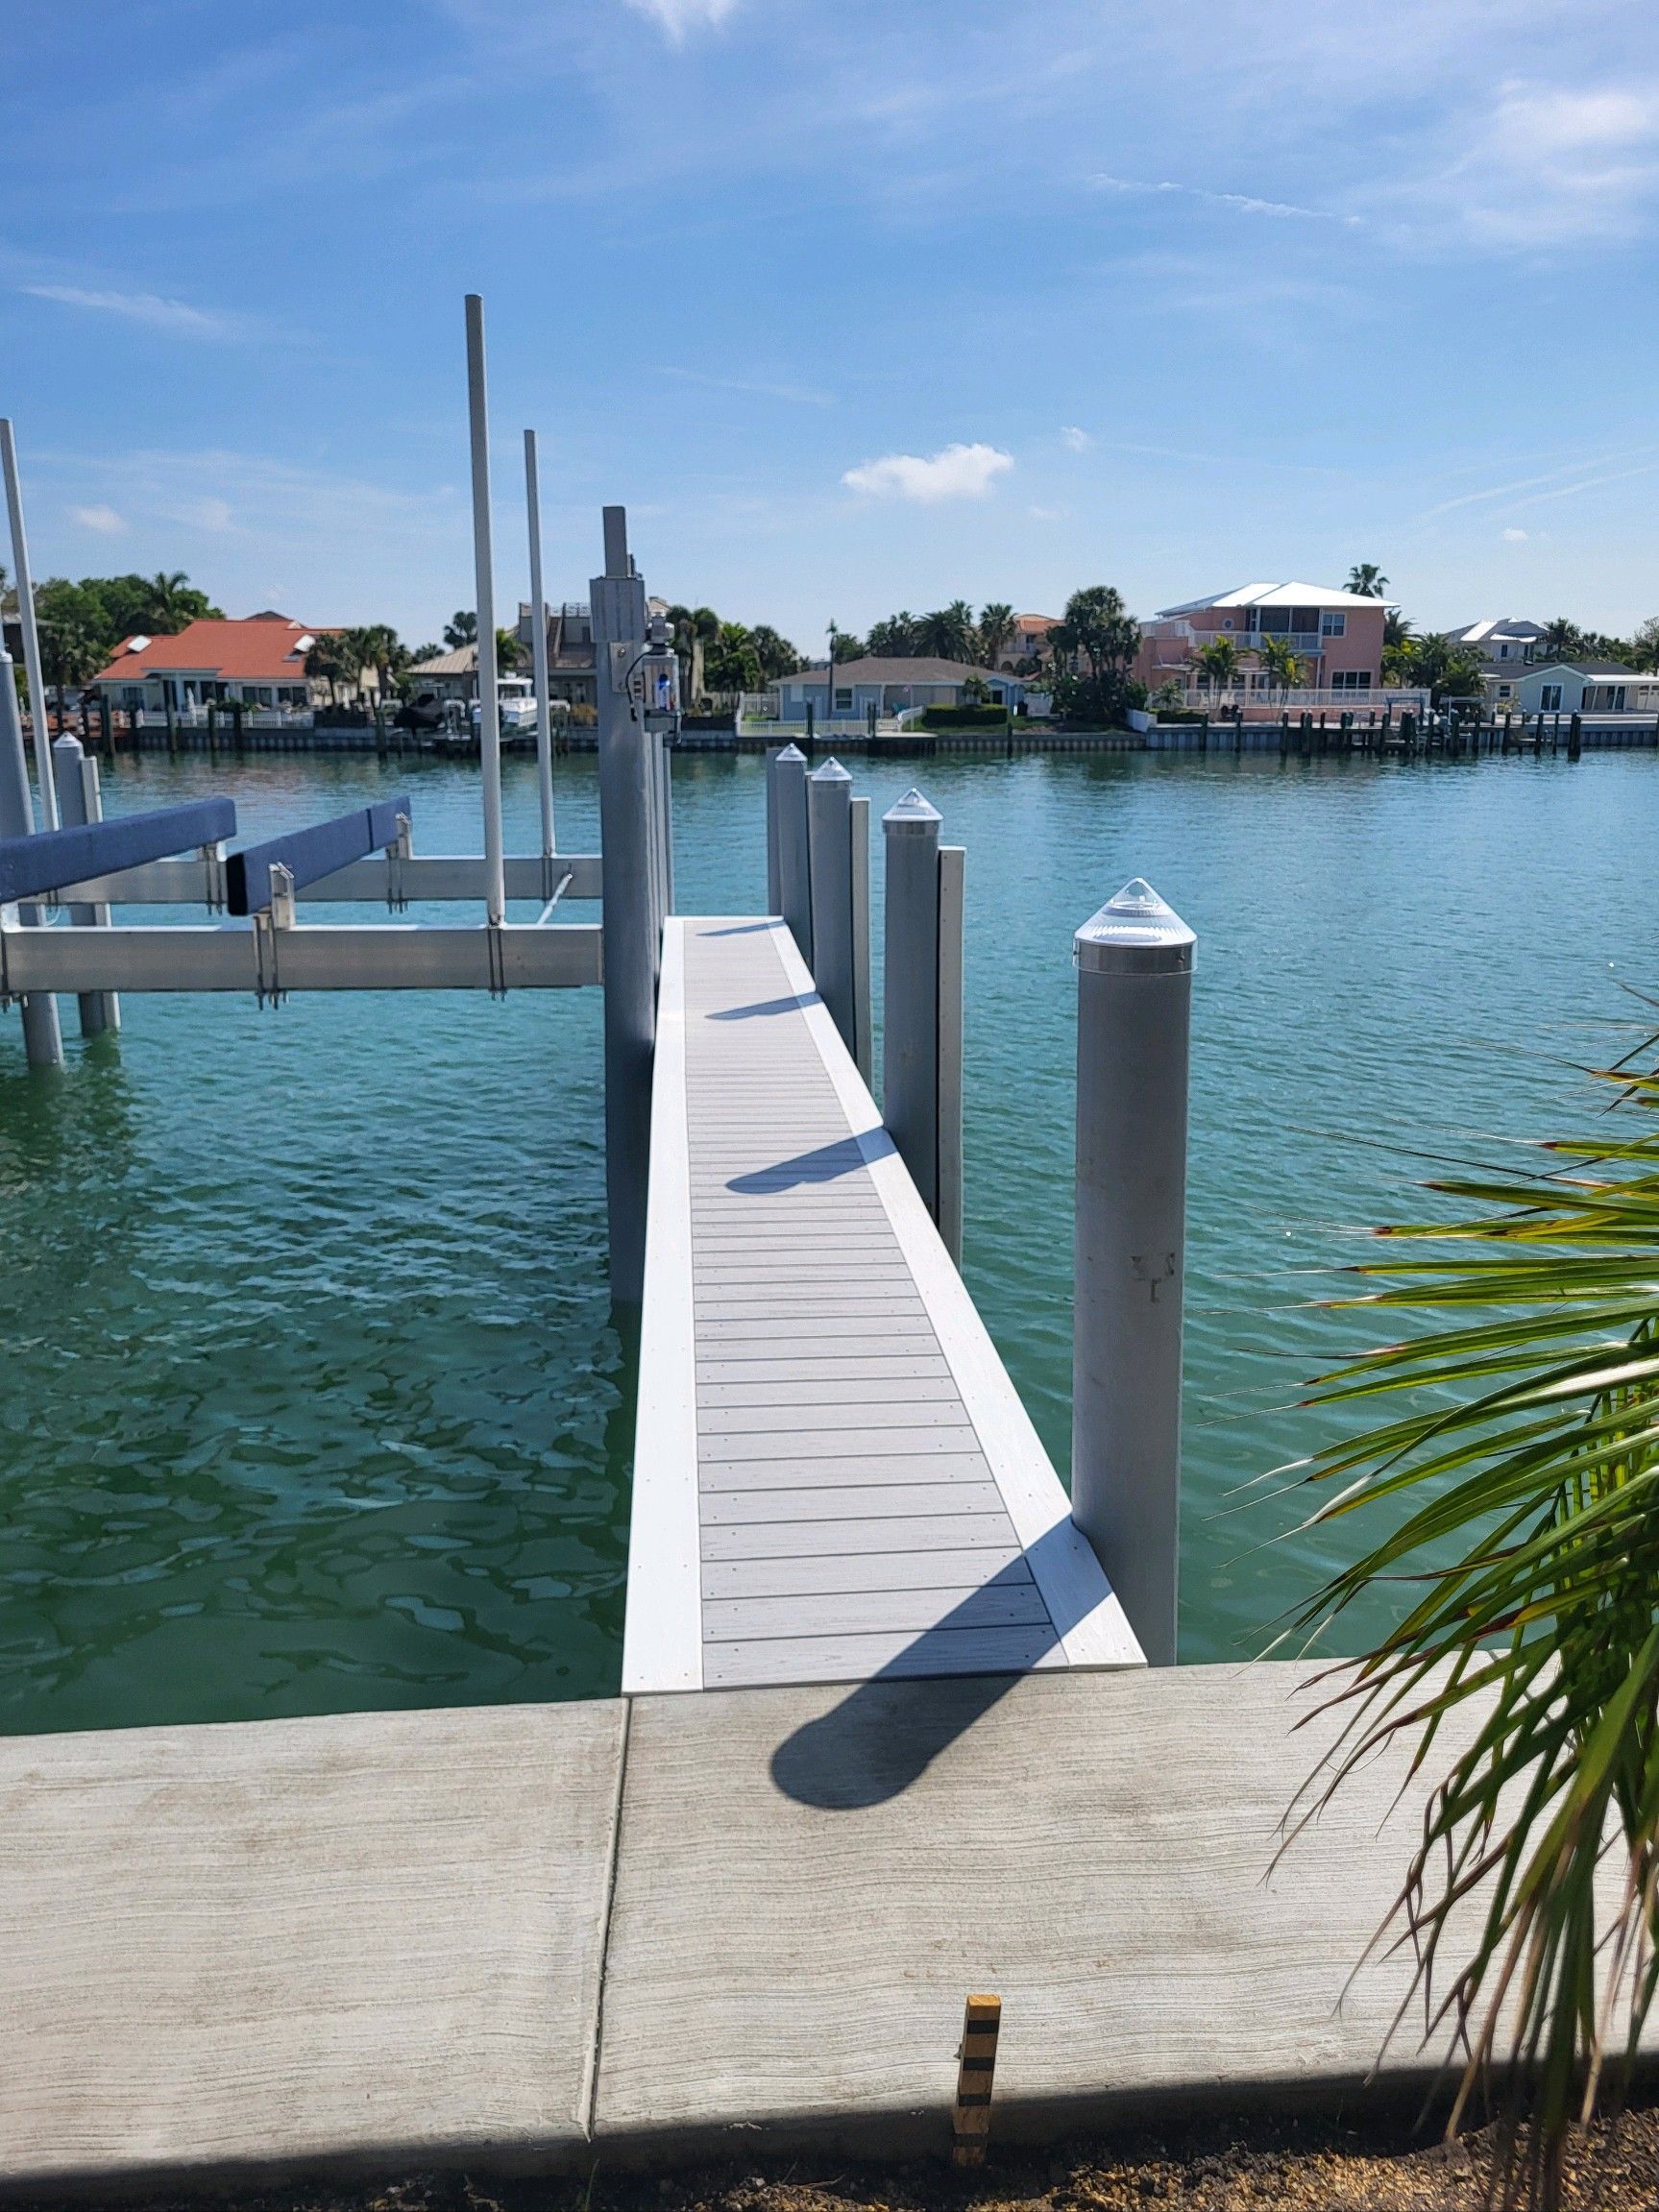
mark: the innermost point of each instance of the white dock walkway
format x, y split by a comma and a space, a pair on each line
834, 1476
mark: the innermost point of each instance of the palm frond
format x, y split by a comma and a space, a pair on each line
1520, 1473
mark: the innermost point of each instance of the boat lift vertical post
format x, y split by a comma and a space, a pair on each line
630, 798
42, 1038
1135, 962
484, 562
78, 803
29, 625
538, 649
910, 1027
774, 897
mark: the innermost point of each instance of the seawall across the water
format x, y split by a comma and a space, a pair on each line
524, 1937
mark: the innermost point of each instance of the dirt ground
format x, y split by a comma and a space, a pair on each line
1220, 2168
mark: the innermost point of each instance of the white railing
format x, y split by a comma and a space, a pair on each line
1303, 699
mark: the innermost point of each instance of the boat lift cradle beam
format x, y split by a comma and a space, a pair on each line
394, 881
272, 961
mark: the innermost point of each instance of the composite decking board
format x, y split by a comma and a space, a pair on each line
862, 1499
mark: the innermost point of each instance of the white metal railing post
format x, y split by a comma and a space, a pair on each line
78, 803
1135, 963
829, 839
483, 564
539, 648
42, 1038
794, 854
630, 801
27, 624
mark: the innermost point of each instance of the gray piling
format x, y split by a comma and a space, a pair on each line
795, 860
774, 894
629, 810
1135, 962
952, 872
42, 1038
864, 1046
79, 802
910, 1019
829, 834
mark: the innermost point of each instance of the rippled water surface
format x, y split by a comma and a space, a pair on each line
312, 1399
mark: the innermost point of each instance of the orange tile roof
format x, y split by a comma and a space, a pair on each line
259, 650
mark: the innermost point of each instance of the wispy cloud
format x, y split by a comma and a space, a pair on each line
1513, 537
104, 519
1553, 165
150, 308
1528, 490
954, 473
1076, 441
1240, 203
799, 395
679, 18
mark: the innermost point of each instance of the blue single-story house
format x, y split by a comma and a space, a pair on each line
891, 686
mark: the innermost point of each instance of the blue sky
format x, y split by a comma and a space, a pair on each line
856, 305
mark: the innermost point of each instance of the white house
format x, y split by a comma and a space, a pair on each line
1507, 646
891, 686
1587, 687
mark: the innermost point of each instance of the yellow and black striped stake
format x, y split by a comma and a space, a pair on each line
971, 2121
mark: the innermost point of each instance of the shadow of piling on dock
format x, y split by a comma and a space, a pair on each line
888, 1731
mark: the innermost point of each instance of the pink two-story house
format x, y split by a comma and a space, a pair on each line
1335, 635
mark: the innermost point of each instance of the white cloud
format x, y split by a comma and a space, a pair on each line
679, 18
955, 473
1079, 441
1554, 165
1515, 537
104, 519
1241, 203
147, 307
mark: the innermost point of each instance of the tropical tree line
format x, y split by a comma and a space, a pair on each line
82, 623
717, 656
952, 633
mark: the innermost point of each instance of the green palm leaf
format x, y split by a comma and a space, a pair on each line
1519, 1473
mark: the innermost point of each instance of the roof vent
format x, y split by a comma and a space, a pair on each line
138, 644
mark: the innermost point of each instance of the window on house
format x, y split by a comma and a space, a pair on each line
1550, 698
842, 700
1351, 679
1333, 623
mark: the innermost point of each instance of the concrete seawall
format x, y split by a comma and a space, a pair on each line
514, 1937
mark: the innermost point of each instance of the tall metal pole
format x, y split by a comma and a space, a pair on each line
795, 861
483, 564
1135, 962
539, 648
42, 1038
629, 808
910, 1022
27, 624
78, 803
829, 836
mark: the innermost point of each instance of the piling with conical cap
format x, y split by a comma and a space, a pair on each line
829, 839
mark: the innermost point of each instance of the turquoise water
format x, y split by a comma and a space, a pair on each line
311, 1398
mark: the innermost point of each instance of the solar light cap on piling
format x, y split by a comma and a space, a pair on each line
793, 753
912, 812
1136, 932
832, 772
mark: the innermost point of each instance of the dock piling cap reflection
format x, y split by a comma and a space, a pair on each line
1136, 933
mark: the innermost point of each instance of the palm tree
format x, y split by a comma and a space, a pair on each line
1280, 662
461, 629
168, 610
1517, 1472
1367, 579
996, 631
1218, 662
693, 630
895, 637
326, 663
776, 656
1562, 640
511, 651
947, 633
